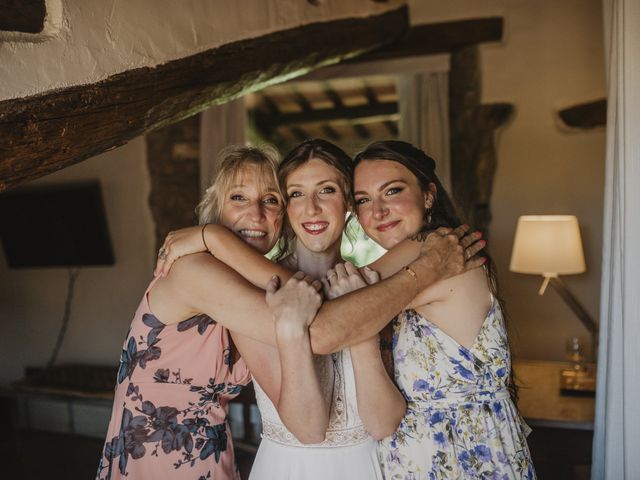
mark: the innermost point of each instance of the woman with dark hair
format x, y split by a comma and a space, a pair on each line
450, 346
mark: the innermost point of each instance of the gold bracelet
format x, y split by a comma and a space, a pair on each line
413, 274
203, 240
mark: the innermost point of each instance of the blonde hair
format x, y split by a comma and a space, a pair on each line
231, 163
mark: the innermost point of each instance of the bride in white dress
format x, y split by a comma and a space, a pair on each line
330, 439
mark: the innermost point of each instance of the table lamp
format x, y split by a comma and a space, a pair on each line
550, 245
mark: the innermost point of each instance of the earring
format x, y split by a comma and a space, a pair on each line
427, 215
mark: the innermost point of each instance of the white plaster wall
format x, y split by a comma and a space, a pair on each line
32, 300
90, 40
551, 57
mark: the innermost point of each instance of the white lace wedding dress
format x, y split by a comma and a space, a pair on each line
348, 452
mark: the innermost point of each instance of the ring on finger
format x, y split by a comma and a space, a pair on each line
162, 253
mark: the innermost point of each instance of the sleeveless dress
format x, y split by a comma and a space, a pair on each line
460, 421
348, 451
170, 406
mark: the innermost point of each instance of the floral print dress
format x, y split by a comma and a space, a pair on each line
170, 406
460, 421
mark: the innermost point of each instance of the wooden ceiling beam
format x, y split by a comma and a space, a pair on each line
443, 37
270, 104
361, 131
392, 127
44, 133
332, 95
326, 115
585, 115
301, 101
299, 133
370, 94
331, 132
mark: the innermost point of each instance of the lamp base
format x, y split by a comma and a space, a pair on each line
578, 381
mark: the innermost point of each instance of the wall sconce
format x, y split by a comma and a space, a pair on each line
550, 245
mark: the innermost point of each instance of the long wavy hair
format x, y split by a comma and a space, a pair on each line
443, 212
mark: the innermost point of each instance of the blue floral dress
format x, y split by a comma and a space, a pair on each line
460, 421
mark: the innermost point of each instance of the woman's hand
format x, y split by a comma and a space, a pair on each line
472, 244
345, 278
294, 305
446, 252
301, 403
178, 244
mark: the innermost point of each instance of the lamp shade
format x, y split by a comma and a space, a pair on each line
549, 245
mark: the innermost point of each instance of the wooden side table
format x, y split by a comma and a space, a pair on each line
562, 436
541, 403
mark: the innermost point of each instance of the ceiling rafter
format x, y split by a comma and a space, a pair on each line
299, 133
392, 127
327, 114
361, 131
43, 133
331, 132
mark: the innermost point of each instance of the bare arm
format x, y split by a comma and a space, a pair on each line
381, 406
226, 247
339, 323
344, 321
409, 250
201, 284
301, 404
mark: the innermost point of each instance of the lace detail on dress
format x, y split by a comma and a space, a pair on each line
335, 438
335, 373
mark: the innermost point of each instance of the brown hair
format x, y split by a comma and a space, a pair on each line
329, 153
231, 162
443, 211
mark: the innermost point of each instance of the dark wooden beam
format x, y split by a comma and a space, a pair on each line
326, 115
361, 131
392, 127
444, 37
299, 133
302, 101
22, 15
331, 132
586, 115
370, 94
332, 95
44, 133
270, 104
174, 177
472, 130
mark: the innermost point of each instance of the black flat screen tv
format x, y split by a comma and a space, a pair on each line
62, 225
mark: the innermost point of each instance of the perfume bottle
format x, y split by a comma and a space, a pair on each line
575, 353
579, 378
